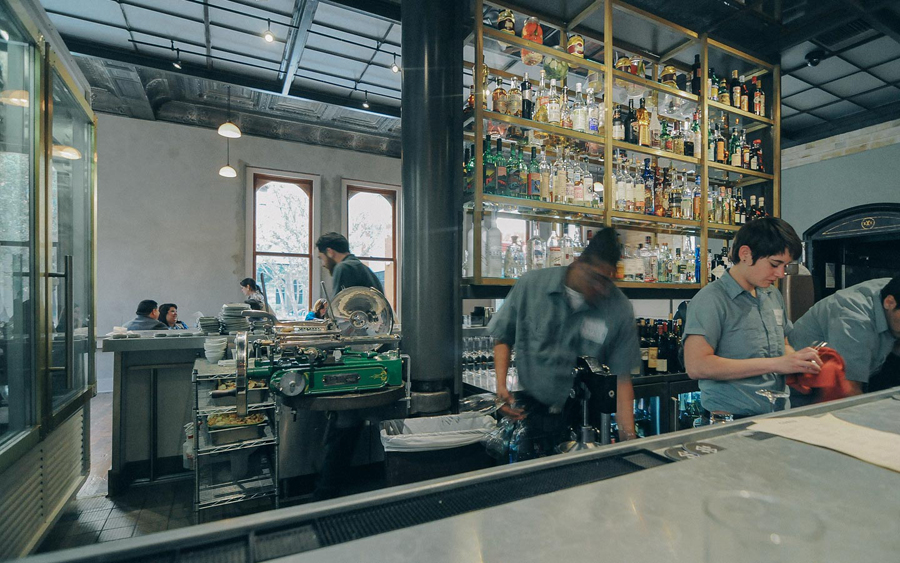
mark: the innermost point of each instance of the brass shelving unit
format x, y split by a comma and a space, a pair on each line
712, 174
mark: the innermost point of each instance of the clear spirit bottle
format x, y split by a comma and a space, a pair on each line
579, 112
554, 105
535, 249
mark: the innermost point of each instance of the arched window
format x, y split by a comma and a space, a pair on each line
372, 233
281, 243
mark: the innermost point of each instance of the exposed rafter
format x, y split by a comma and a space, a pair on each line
304, 11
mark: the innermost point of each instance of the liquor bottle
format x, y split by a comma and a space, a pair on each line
735, 89
590, 197
745, 95
565, 112
675, 197
499, 98
662, 354
678, 139
577, 181
502, 177
533, 179
697, 134
724, 92
594, 113
643, 121
696, 203
728, 214
512, 173
640, 191
644, 345
522, 171
652, 350
490, 168
688, 138
687, 199
648, 187
741, 210
665, 140
514, 99
554, 104
721, 147
696, 76
559, 179
761, 211
494, 249
554, 249
712, 85
734, 148
535, 249
711, 144
527, 98
721, 210
759, 99
470, 171
659, 193
630, 124
662, 273
470, 101
514, 259
546, 192
628, 181
617, 201
757, 150
655, 131
542, 100
568, 249
579, 111
649, 258
618, 125
506, 22
745, 150
465, 164
753, 210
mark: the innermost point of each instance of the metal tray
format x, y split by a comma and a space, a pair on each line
254, 396
234, 434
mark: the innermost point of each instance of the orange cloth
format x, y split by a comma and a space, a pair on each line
827, 385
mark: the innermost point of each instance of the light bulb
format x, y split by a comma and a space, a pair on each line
227, 171
177, 64
229, 130
269, 36
365, 103
394, 67
66, 152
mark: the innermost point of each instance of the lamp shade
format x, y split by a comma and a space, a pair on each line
66, 152
229, 130
227, 171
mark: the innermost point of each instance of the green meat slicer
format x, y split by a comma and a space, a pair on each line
333, 357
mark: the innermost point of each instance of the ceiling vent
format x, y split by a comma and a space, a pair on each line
846, 34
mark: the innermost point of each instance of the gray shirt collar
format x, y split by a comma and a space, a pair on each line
733, 288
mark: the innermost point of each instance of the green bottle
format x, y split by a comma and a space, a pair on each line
490, 168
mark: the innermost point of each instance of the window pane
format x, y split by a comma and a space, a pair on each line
17, 105
370, 218
287, 285
282, 218
385, 272
70, 184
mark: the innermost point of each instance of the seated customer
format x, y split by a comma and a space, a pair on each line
318, 310
168, 314
147, 317
862, 323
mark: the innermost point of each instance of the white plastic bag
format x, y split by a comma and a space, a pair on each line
435, 432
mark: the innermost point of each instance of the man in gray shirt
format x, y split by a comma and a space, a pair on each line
554, 315
862, 323
346, 270
735, 333
147, 317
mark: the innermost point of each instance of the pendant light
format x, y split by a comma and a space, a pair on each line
177, 62
365, 103
228, 129
395, 68
268, 35
227, 171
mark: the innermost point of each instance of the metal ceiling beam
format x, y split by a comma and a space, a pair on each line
357, 33
584, 14
381, 9
206, 35
675, 50
842, 125
257, 6
84, 48
304, 11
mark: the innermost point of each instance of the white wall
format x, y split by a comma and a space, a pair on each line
171, 229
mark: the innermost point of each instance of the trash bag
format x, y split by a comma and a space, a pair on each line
435, 432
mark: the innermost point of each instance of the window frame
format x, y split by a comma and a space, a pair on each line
387, 190
313, 184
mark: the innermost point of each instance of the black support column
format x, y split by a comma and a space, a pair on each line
432, 198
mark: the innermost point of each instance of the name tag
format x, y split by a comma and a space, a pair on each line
779, 316
594, 330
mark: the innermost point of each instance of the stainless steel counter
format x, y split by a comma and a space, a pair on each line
654, 514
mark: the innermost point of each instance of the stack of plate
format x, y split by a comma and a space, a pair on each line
231, 317
209, 324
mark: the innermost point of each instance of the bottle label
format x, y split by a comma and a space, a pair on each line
619, 132
645, 354
534, 185
652, 357
553, 112
555, 257
662, 365
578, 120
736, 96
736, 158
593, 124
718, 271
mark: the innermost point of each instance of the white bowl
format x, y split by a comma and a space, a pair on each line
214, 358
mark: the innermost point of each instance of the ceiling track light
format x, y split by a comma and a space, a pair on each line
268, 35
227, 171
228, 129
395, 68
365, 103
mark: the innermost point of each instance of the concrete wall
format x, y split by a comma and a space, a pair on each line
171, 229
814, 191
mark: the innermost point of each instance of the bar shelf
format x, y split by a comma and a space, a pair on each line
655, 152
